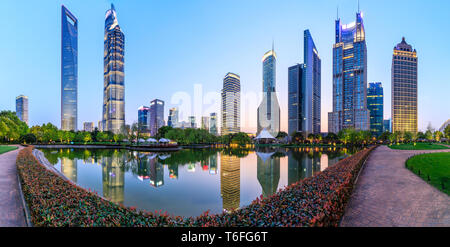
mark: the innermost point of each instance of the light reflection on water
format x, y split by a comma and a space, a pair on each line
189, 182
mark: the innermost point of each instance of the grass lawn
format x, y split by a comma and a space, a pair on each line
434, 168
4, 149
418, 146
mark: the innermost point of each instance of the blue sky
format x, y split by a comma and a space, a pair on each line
172, 45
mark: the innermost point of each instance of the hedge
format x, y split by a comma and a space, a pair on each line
314, 201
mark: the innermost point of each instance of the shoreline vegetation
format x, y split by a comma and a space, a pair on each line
418, 146
434, 168
314, 201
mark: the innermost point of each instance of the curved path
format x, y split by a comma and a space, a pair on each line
11, 208
388, 194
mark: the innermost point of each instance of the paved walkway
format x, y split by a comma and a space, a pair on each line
388, 194
11, 209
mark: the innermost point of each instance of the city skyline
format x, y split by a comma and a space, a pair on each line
39, 115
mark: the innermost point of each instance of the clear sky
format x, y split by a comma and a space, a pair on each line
171, 45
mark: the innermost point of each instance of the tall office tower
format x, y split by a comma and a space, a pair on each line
404, 88
88, 126
375, 107
205, 123
191, 122
172, 119
144, 118
22, 108
312, 94
213, 123
349, 78
269, 109
156, 116
230, 182
295, 98
69, 70
268, 172
113, 74
387, 125
231, 104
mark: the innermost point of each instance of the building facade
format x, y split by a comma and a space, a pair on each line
156, 116
304, 91
192, 123
404, 88
387, 125
231, 104
213, 123
205, 123
22, 108
144, 118
88, 126
172, 119
268, 115
375, 99
295, 98
69, 70
349, 78
114, 76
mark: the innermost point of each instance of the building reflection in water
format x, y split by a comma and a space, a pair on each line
143, 166
113, 177
230, 182
156, 173
302, 165
69, 168
173, 171
268, 171
213, 164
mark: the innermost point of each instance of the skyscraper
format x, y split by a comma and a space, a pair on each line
69, 70
156, 116
114, 76
304, 91
192, 123
375, 107
404, 88
349, 78
144, 118
313, 74
387, 125
205, 123
231, 104
22, 108
213, 123
269, 109
172, 119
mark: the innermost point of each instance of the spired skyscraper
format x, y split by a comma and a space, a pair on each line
69, 70
113, 74
375, 107
349, 78
304, 83
22, 108
404, 88
269, 109
231, 104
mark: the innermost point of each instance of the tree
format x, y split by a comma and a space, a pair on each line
438, 135
385, 136
281, 134
447, 132
429, 135
407, 136
311, 137
298, 137
163, 131
28, 138
241, 138
331, 137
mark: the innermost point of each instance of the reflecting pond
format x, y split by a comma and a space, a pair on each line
190, 181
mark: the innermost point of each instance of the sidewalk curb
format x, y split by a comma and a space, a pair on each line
26, 210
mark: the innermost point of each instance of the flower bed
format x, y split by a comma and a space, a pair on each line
315, 201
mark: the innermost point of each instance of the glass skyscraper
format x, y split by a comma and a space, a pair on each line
156, 116
172, 119
349, 78
304, 85
114, 76
205, 123
22, 108
69, 70
269, 109
404, 88
231, 104
375, 106
144, 118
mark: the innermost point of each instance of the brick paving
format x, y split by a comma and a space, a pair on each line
11, 208
388, 194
